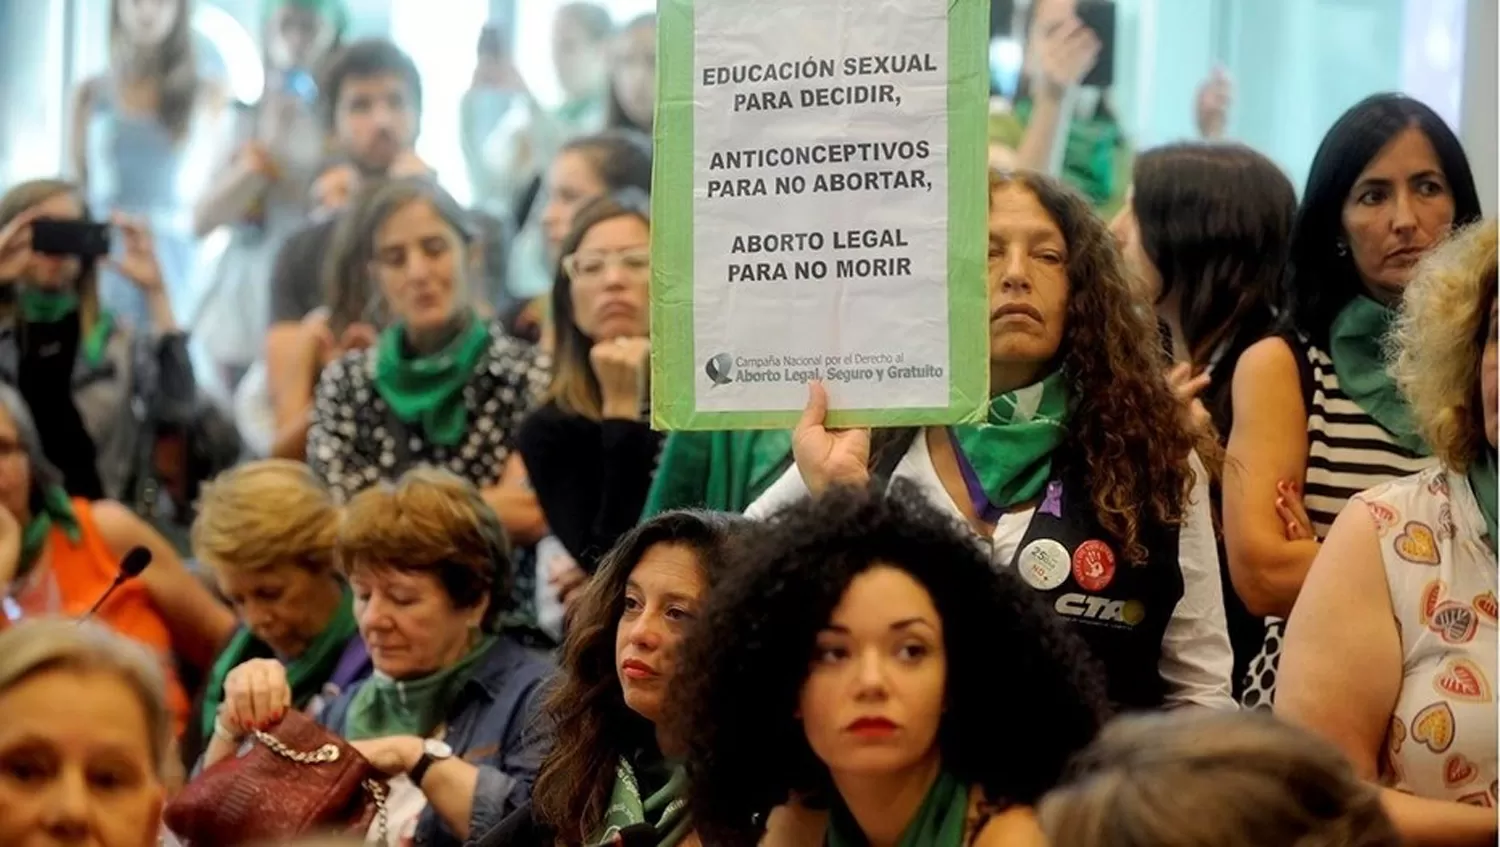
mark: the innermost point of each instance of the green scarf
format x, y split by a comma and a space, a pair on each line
1011, 453
940, 822
56, 509
719, 471
50, 306
306, 674
383, 707
1482, 479
666, 810
429, 390
1089, 158
1355, 344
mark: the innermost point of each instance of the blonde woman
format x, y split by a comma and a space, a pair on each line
1391, 647
1212, 779
266, 532
84, 737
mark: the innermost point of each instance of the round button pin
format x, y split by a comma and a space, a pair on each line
1094, 565
1043, 564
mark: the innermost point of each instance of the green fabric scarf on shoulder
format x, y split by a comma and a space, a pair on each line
664, 811
49, 306
1011, 452
1482, 479
940, 820
383, 707
1356, 344
428, 391
57, 509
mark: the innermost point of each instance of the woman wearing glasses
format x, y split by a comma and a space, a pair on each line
589, 448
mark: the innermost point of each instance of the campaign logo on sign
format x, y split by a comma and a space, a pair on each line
720, 369
1093, 565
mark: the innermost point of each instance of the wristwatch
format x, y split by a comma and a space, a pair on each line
433, 751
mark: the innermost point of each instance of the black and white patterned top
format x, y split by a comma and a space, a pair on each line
356, 441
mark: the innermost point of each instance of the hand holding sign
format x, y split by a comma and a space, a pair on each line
828, 457
621, 365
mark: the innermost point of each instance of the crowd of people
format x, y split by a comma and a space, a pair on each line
1218, 567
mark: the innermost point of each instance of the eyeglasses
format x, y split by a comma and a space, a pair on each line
592, 266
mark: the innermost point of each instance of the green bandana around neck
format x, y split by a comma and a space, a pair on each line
57, 510
429, 390
50, 306
1483, 481
1355, 343
306, 674
940, 821
383, 707
1011, 452
665, 811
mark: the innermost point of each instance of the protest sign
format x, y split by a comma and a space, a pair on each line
819, 212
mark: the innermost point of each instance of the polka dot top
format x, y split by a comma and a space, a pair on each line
1442, 737
356, 441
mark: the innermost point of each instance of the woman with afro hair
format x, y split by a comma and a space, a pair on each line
863, 671
1082, 478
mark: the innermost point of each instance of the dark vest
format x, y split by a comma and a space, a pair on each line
1121, 611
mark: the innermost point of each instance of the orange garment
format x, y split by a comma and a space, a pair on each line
81, 573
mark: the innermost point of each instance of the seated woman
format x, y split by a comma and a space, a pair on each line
589, 449
266, 531
100, 389
1390, 650
441, 386
1206, 231
58, 556
1213, 780
861, 655
1082, 480
448, 710
1317, 418
612, 766
85, 737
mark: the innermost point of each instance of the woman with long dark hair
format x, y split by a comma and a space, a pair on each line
1317, 417
134, 129
1082, 478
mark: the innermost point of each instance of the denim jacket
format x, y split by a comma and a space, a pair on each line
490, 725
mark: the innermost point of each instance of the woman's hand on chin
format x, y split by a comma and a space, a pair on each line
828, 457
393, 755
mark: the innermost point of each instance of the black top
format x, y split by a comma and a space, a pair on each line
590, 477
297, 277
48, 354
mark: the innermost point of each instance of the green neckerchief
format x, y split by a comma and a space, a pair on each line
50, 306
665, 811
305, 674
720, 471
1355, 343
429, 390
1089, 158
1011, 453
56, 509
940, 821
1482, 479
384, 707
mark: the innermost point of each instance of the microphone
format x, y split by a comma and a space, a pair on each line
131, 566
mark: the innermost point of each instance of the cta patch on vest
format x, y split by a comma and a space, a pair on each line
1094, 565
1043, 564
1128, 613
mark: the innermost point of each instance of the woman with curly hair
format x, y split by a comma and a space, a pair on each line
861, 656
1390, 650
1317, 418
613, 770
1082, 478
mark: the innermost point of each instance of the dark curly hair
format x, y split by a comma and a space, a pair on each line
1023, 693
1320, 281
590, 724
1127, 434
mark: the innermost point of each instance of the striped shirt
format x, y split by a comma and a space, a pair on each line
1347, 451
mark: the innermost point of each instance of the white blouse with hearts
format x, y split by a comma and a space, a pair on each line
1442, 576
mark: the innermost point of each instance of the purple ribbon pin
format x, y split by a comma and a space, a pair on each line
1052, 502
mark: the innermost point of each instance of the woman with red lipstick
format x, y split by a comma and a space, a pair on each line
589, 449
1317, 418
1082, 478
613, 771
865, 669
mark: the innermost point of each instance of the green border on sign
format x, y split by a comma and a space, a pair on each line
674, 363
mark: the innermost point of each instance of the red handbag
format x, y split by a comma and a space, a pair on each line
294, 779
